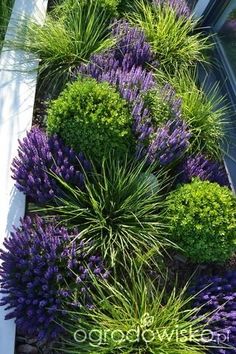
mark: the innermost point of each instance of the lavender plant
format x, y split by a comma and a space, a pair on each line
123, 67
131, 48
37, 275
216, 296
38, 156
203, 168
168, 144
179, 6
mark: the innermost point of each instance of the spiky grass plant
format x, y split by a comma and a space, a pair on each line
173, 39
5, 12
134, 314
70, 34
119, 210
205, 112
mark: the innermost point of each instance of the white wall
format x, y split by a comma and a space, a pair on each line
17, 94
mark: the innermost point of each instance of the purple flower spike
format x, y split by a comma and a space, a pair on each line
170, 142
200, 166
180, 6
40, 155
124, 67
37, 276
216, 296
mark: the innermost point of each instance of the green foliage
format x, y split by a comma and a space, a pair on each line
202, 219
5, 12
172, 38
205, 113
108, 5
159, 107
71, 33
93, 118
119, 210
131, 315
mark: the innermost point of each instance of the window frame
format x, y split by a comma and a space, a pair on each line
222, 73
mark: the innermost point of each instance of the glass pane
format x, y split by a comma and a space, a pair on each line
191, 3
227, 35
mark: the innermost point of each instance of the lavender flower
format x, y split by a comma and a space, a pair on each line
200, 166
217, 295
38, 156
180, 6
132, 47
169, 142
36, 276
124, 68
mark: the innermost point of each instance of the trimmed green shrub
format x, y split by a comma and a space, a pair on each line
92, 118
172, 38
134, 314
202, 219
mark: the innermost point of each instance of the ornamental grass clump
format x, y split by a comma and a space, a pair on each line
134, 314
119, 210
71, 33
205, 112
216, 295
39, 156
93, 118
173, 38
202, 221
163, 104
38, 273
5, 13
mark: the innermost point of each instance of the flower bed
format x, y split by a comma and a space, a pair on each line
123, 167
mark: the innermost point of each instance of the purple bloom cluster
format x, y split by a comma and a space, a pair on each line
180, 6
124, 68
131, 49
36, 275
217, 295
203, 168
40, 155
123, 65
169, 143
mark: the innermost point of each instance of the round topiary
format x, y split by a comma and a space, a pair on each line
93, 118
202, 219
